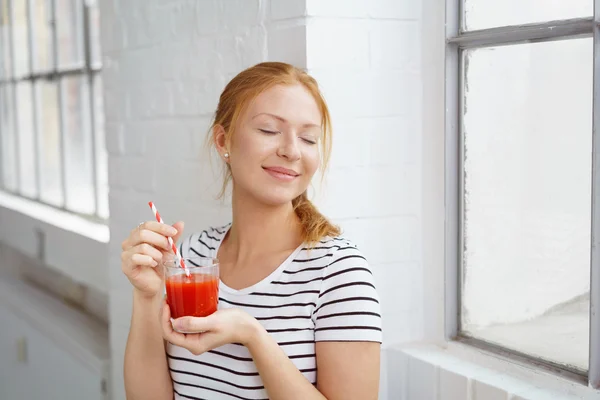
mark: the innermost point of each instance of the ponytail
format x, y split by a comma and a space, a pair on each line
314, 224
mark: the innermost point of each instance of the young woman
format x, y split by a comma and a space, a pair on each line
299, 315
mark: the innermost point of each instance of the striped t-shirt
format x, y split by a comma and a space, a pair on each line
326, 293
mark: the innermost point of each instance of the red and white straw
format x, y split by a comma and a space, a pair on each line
175, 250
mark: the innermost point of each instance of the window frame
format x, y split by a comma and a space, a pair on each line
457, 40
86, 68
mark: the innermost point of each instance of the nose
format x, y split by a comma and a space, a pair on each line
288, 148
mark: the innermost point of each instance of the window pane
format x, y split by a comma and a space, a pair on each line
42, 35
69, 15
482, 14
101, 153
5, 58
20, 38
78, 145
94, 26
50, 162
527, 195
27, 157
9, 138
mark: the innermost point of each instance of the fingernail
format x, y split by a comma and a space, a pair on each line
177, 325
172, 231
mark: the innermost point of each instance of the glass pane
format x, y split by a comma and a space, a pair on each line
69, 14
94, 27
527, 195
9, 138
27, 145
21, 38
42, 35
50, 162
5, 57
101, 153
483, 14
78, 145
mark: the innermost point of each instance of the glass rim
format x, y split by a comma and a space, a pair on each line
190, 262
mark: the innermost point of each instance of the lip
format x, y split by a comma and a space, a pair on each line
282, 170
281, 173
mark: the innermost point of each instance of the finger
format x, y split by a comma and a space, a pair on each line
132, 260
169, 334
147, 249
194, 324
155, 239
143, 260
155, 226
179, 226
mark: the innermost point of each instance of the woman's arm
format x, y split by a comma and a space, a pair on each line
146, 369
282, 380
348, 370
345, 370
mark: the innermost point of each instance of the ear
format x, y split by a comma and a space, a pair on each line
220, 141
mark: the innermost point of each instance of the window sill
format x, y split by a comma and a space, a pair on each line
465, 368
68, 243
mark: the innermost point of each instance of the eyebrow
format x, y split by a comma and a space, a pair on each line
277, 117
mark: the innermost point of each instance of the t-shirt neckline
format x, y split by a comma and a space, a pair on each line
265, 281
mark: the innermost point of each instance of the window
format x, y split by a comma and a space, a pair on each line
51, 119
523, 190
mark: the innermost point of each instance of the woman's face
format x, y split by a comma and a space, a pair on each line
274, 151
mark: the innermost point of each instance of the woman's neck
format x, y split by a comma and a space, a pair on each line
258, 229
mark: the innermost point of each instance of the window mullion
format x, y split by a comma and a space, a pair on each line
594, 371
34, 108
66, 71
61, 118
13, 94
452, 192
524, 33
89, 76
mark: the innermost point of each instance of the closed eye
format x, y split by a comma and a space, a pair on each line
309, 141
268, 132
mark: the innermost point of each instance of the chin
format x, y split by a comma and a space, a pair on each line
276, 197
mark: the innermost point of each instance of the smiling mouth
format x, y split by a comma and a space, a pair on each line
282, 173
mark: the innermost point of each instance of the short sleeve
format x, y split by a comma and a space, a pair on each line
202, 244
348, 306
185, 245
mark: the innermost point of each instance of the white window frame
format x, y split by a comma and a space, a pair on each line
88, 69
75, 245
457, 41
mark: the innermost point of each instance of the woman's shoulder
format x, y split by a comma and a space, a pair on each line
338, 248
203, 243
330, 257
348, 307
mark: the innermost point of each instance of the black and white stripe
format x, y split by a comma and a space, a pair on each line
323, 293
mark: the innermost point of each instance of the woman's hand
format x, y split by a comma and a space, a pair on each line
143, 252
223, 327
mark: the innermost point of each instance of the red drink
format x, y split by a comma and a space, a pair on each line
195, 296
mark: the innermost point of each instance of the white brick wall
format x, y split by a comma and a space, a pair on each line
372, 189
